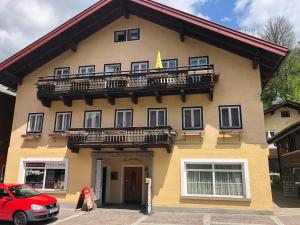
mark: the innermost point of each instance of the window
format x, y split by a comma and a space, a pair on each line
86, 70
92, 119
192, 118
133, 34
285, 114
270, 134
139, 67
3, 193
120, 36
170, 64
35, 122
62, 121
198, 62
230, 117
62, 72
215, 177
157, 117
110, 69
123, 118
46, 175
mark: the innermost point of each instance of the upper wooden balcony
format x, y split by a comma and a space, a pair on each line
154, 82
121, 138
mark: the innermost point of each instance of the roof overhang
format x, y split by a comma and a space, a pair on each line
285, 132
289, 104
267, 55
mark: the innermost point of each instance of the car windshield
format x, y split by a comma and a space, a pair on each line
22, 191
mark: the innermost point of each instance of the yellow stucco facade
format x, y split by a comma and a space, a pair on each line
239, 84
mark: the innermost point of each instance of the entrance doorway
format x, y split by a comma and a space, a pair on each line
133, 185
104, 181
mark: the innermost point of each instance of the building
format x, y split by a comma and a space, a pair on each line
278, 117
288, 147
90, 111
7, 103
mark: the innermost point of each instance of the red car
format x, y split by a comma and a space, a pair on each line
20, 203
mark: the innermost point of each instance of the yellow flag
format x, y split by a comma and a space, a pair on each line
158, 61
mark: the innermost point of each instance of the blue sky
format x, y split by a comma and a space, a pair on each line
220, 11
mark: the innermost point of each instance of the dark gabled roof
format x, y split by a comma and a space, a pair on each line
285, 132
290, 104
268, 55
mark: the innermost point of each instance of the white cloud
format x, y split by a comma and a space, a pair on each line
225, 19
254, 13
24, 21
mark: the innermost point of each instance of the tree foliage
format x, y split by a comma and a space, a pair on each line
286, 81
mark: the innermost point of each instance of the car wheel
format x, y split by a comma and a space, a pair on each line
20, 218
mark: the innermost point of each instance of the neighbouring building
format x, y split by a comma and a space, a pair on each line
7, 104
92, 110
288, 147
279, 116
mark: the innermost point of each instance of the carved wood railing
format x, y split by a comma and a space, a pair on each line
119, 138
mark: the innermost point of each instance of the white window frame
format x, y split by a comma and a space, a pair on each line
62, 70
198, 59
64, 117
168, 68
230, 117
192, 118
22, 170
245, 177
114, 65
92, 111
30, 115
156, 115
124, 123
86, 73
140, 70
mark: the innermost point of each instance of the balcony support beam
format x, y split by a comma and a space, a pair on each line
12, 77
110, 99
74, 149
46, 103
124, 8
181, 32
67, 101
88, 100
256, 59
211, 93
158, 96
183, 96
134, 98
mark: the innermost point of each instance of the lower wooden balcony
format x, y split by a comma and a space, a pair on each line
157, 83
121, 138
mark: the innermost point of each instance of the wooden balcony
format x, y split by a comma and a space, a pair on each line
121, 138
291, 159
158, 83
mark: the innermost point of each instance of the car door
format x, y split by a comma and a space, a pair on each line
6, 207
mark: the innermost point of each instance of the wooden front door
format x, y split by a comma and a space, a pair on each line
133, 185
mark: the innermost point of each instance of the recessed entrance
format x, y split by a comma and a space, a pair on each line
133, 185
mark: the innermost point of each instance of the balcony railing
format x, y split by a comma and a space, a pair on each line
120, 138
182, 81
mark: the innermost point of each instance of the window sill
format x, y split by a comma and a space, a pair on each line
216, 198
31, 136
59, 135
191, 132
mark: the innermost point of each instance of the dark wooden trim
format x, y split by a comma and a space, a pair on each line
166, 115
181, 31
55, 131
182, 95
88, 100
79, 67
134, 98
241, 118
120, 31
139, 32
96, 110
112, 64
118, 110
158, 96
195, 57
182, 117
27, 132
